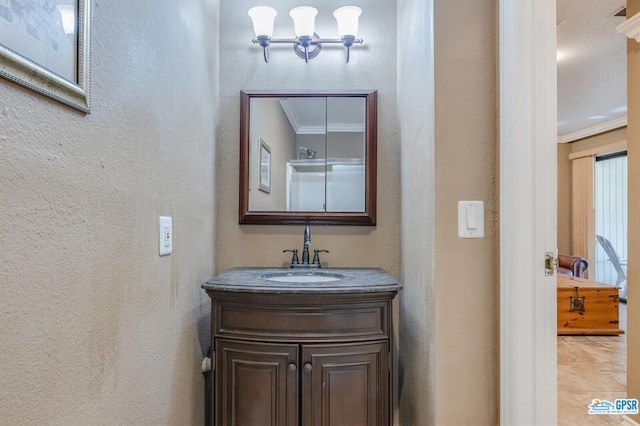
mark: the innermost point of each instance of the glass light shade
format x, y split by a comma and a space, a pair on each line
347, 18
304, 20
68, 17
262, 18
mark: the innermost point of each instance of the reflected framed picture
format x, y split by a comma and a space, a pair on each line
44, 46
265, 167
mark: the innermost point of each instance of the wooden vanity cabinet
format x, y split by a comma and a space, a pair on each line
258, 383
345, 384
308, 360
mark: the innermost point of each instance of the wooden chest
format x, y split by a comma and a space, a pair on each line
587, 307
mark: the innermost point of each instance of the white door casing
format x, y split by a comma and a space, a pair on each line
528, 187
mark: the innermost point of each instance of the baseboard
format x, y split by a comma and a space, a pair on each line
628, 421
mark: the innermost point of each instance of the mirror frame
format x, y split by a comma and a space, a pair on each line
366, 218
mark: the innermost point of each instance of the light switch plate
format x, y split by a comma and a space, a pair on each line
470, 219
165, 236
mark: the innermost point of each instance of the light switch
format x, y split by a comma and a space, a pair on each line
165, 236
472, 222
470, 219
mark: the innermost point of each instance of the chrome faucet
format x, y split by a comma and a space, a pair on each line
305, 253
305, 248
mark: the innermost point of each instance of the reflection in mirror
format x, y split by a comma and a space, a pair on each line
317, 154
308, 158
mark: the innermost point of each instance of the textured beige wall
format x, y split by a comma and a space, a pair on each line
448, 327
564, 179
596, 141
564, 198
633, 236
372, 66
96, 327
466, 270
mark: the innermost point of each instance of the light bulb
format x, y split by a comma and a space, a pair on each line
304, 20
347, 18
263, 18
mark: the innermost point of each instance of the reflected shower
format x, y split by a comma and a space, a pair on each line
310, 153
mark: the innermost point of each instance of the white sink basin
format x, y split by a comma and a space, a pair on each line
303, 277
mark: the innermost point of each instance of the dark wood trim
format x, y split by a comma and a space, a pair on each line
366, 218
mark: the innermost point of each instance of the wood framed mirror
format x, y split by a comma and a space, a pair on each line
308, 157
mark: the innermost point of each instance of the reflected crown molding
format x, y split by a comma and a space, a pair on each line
293, 115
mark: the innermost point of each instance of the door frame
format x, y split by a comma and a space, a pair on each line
528, 204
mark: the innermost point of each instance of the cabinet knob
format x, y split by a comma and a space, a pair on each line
307, 368
292, 367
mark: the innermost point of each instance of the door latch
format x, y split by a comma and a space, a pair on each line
550, 263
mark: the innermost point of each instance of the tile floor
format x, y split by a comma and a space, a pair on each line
591, 367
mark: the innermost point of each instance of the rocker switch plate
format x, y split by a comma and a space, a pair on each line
470, 219
165, 236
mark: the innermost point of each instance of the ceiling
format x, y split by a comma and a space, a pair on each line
592, 61
317, 115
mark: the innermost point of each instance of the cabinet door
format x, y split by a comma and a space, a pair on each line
256, 384
345, 385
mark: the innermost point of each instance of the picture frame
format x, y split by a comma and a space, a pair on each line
45, 48
265, 168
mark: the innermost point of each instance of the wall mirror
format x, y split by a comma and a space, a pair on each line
308, 157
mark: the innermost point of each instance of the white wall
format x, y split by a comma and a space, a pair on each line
96, 327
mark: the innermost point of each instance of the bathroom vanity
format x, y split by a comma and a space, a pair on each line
302, 347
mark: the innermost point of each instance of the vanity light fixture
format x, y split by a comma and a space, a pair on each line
307, 43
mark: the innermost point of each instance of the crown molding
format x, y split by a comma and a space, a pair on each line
616, 123
291, 114
631, 27
300, 129
310, 130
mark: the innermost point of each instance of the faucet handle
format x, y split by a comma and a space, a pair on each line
316, 257
294, 258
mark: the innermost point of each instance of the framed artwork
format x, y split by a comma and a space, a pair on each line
44, 46
265, 167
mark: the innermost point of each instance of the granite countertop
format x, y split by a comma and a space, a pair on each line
349, 280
